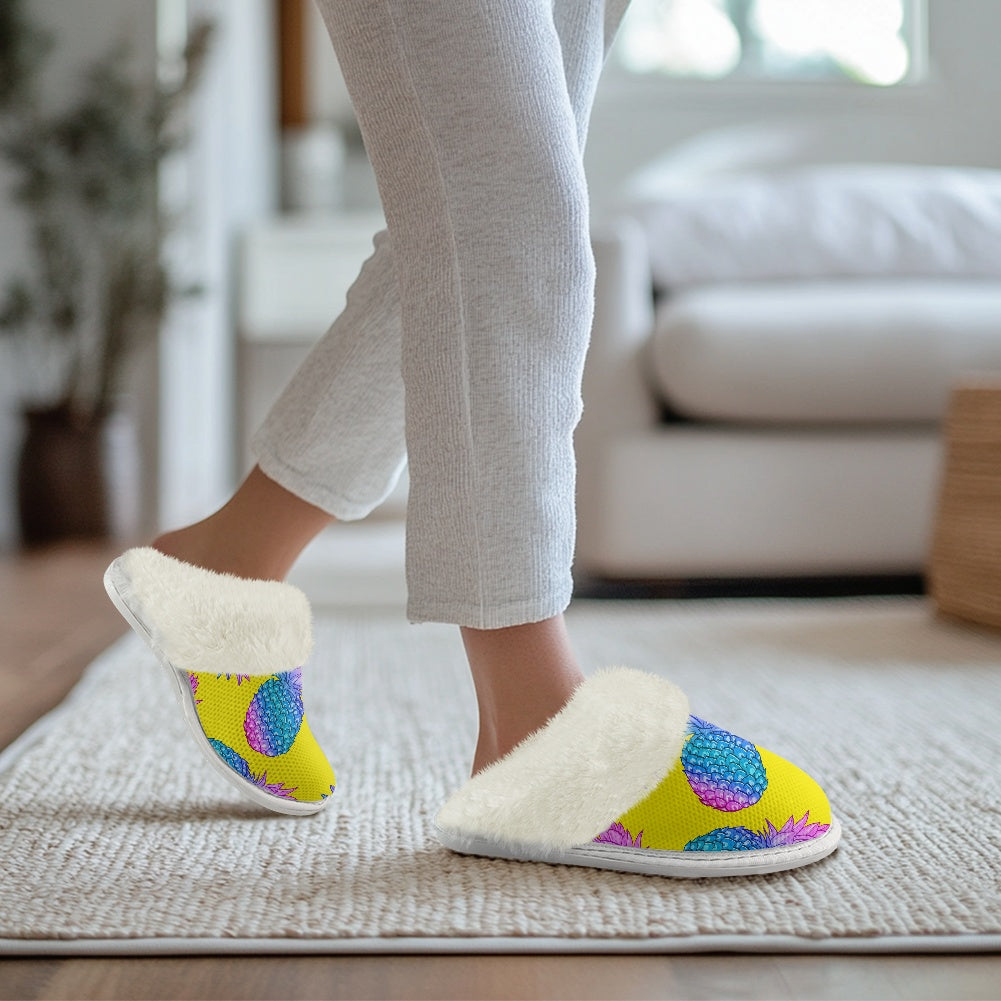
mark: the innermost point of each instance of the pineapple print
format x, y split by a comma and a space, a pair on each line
741, 839
725, 771
275, 714
261, 732
240, 766
237, 763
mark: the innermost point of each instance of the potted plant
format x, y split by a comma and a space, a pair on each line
86, 176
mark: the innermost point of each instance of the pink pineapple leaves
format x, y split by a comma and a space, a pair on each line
619, 835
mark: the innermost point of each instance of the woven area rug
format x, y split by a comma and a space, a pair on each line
110, 845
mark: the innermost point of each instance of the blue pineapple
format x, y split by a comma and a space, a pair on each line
275, 714
742, 839
231, 758
725, 771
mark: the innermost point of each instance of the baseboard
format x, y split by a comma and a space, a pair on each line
750, 587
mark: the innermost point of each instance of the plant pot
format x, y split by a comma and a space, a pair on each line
61, 478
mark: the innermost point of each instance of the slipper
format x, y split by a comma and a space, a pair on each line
624, 778
233, 650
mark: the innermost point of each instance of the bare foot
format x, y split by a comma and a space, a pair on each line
203, 544
258, 533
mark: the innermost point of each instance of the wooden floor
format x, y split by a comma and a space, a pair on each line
54, 618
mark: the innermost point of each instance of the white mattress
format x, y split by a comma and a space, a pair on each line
824, 351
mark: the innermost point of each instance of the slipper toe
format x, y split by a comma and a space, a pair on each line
256, 725
725, 794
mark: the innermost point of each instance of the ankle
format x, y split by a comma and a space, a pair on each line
488, 747
523, 676
520, 722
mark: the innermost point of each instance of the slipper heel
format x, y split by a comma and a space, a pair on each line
625, 778
233, 650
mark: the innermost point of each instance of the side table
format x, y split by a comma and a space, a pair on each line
964, 573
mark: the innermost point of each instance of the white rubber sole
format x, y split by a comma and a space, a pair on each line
115, 579
651, 862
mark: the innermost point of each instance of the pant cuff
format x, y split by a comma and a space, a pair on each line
341, 507
476, 617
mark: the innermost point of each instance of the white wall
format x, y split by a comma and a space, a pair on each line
83, 29
182, 392
950, 118
227, 179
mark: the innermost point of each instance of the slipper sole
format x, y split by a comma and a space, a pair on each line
653, 862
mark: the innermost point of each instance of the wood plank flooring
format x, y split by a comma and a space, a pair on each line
55, 617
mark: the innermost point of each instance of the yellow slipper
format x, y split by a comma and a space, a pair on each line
625, 778
233, 650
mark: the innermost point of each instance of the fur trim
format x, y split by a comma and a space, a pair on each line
211, 622
563, 785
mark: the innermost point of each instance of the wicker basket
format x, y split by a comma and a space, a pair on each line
964, 574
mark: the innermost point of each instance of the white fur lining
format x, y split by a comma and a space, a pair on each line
563, 785
213, 622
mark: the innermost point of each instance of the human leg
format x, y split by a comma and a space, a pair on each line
523, 674
313, 442
335, 437
476, 142
474, 120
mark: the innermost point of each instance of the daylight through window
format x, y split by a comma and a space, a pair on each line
865, 41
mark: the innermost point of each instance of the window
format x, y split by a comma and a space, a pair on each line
872, 42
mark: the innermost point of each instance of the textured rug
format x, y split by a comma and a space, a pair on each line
109, 844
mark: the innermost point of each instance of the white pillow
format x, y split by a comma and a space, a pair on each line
852, 220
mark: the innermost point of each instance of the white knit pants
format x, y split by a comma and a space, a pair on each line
462, 343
